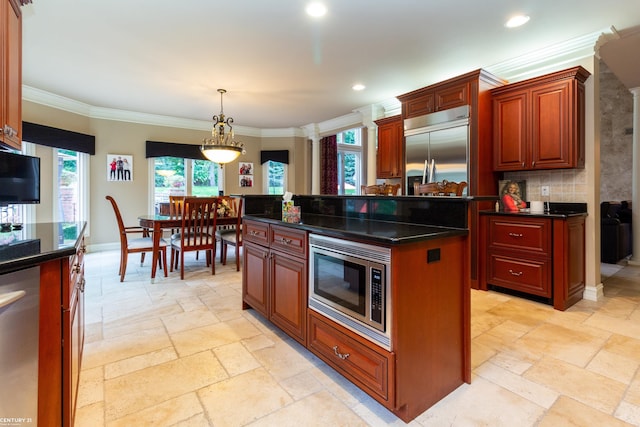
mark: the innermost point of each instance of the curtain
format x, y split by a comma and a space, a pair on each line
281, 156
172, 149
329, 165
58, 138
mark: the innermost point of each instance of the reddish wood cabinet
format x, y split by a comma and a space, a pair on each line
538, 256
11, 73
274, 279
442, 96
539, 123
61, 338
390, 155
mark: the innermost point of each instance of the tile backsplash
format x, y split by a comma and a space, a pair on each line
565, 185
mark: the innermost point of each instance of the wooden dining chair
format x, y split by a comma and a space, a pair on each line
370, 189
390, 189
197, 232
232, 236
453, 188
140, 245
428, 189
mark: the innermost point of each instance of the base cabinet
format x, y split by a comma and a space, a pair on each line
61, 340
543, 257
274, 280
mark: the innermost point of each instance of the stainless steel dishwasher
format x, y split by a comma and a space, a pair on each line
19, 316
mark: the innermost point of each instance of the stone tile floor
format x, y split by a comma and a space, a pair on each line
184, 353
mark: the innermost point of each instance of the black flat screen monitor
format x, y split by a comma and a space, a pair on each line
19, 178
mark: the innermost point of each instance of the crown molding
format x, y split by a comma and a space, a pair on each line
548, 59
58, 102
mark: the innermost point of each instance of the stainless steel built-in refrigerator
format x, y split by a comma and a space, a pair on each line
437, 147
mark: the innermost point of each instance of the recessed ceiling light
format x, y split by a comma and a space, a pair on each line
358, 86
517, 21
316, 9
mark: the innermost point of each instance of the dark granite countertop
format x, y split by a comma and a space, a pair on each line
36, 243
387, 232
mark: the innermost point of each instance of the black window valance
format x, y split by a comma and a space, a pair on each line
172, 149
58, 138
281, 156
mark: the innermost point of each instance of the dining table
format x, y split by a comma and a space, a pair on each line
157, 223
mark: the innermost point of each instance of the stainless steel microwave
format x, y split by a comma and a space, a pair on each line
348, 283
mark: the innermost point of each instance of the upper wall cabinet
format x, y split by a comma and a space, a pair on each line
11, 71
539, 123
435, 98
389, 158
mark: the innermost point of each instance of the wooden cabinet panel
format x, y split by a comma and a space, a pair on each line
452, 96
255, 277
389, 158
274, 279
539, 256
367, 366
550, 130
419, 105
530, 275
254, 231
289, 294
530, 234
11, 70
539, 123
510, 131
288, 240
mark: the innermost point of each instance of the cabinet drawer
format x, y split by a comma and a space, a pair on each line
532, 276
528, 234
288, 240
360, 361
255, 231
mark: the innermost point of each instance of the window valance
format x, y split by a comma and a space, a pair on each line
281, 156
172, 149
58, 138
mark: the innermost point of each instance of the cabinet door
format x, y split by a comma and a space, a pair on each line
288, 287
389, 161
11, 94
452, 96
510, 131
422, 104
255, 277
551, 136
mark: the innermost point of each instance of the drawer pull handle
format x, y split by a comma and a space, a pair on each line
513, 273
285, 241
340, 355
515, 234
254, 233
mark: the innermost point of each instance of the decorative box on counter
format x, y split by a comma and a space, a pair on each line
290, 213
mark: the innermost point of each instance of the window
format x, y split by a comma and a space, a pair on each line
274, 177
177, 176
350, 156
70, 188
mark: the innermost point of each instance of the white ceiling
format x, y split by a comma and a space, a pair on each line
281, 68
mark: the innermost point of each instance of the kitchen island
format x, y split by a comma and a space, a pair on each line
427, 354
56, 252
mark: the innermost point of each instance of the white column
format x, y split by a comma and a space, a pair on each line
635, 184
313, 134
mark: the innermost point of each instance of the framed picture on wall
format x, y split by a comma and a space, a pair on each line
245, 168
119, 167
246, 181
